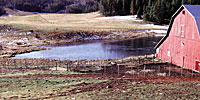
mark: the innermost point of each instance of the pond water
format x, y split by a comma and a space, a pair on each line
97, 50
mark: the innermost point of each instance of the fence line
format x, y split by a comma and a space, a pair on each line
141, 67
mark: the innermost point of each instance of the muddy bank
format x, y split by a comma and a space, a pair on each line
15, 41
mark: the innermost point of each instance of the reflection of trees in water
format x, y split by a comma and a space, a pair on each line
140, 46
98, 50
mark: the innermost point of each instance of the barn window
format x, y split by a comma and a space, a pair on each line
183, 12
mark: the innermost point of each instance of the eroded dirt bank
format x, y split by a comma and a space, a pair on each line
15, 41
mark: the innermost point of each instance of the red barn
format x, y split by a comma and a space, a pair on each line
181, 45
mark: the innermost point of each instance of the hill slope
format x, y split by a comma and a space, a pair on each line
11, 12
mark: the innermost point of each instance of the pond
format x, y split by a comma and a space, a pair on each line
97, 50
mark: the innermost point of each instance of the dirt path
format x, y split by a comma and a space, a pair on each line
114, 82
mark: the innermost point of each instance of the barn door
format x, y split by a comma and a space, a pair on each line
182, 52
197, 65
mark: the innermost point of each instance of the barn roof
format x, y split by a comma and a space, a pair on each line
194, 11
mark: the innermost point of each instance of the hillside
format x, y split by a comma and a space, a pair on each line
12, 12
65, 22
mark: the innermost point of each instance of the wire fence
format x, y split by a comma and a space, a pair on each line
131, 67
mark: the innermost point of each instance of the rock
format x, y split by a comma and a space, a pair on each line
19, 43
37, 36
108, 86
112, 63
31, 31
162, 74
123, 91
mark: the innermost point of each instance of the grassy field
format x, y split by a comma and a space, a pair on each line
39, 86
66, 22
144, 91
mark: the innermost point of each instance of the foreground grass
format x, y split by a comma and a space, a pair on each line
30, 88
37, 72
52, 87
143, 91
67, 22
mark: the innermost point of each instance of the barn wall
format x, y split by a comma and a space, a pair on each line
181, 46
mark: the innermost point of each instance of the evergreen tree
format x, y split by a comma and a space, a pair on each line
159, 3
119, 7
2, 11
183, 2
139, 8
133, 7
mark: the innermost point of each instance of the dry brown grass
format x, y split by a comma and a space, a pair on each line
16, 12
66, 22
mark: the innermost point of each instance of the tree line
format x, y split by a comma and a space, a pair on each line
52, 6
158, 11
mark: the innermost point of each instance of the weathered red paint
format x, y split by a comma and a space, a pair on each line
181, 46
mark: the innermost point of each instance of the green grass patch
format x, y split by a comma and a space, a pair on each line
36, 88
17, 74
59, 73
37, 72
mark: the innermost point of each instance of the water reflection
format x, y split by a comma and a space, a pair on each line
140, 46
98, 50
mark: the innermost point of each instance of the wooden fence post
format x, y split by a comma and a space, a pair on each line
25, 63
77, 67
138, 71
56, 65
153, 60
192, 71
170, 66
132, 72
182, 67
169, 70
139, 60
118, 69
144, 70
14, 63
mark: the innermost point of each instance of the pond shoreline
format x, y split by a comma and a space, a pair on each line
25, 43
97, 49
